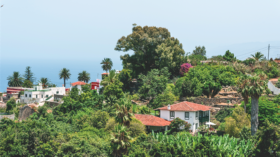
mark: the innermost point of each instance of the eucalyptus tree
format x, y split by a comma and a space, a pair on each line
84, 76
258, 56
15, 80
65, 75
106, 64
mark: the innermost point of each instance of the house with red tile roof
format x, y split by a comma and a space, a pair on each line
77, 85
152, 122
194, 114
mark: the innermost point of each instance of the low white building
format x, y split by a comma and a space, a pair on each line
194, 114
78, 85
39, 94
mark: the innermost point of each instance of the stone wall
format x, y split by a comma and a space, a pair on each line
52, 103
12, 116
25, 112
216, 101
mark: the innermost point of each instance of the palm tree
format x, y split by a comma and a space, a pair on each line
109, 79
65, 74
84, 76
107, 64
120, 140
243, 88
256, 87
15, 80
45, 82
258, 56
124, 111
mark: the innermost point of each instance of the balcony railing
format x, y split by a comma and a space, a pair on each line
204, 119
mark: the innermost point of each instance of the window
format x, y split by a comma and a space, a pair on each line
47, 96
187, 115
36, 96
29, 95
42, 96
26, 95
196, 115
57, 92
172, 114
204, 114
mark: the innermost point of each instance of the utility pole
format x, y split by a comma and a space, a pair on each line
268, 51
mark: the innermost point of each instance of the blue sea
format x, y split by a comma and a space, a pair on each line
50, 69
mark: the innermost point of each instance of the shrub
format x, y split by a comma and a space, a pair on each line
178, 125
135, 97
185, 68
237, 121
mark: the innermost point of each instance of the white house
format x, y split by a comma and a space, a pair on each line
194, 114
39, 94
77, 85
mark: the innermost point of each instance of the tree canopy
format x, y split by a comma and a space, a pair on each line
153, 49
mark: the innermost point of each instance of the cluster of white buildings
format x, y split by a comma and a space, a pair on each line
39, 94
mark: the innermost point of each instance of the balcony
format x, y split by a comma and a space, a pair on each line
203, 119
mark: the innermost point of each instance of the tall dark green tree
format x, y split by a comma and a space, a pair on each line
106, 64
153, 49
154, 83
28, 74
15, 80
229, 56
65, 75
84, 76
199, 50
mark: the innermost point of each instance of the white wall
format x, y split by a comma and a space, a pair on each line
165, 114
272, 88
61, 90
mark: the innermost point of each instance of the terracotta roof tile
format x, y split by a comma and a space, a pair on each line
78, 83
186, 106
150, 120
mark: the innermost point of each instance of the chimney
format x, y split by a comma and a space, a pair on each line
62, 85
168, 107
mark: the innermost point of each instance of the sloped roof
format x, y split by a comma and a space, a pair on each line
186, 106
150, 120
78, 83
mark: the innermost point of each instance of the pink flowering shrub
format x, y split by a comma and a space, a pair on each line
185, 68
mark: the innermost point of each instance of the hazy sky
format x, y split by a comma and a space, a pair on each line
51, 34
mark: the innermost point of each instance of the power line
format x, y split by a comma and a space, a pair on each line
251, 51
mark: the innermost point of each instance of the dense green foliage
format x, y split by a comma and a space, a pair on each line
223, 113
184, 144
153, 48
207, 80
228, 56
236, 122
267, 110
178, 125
